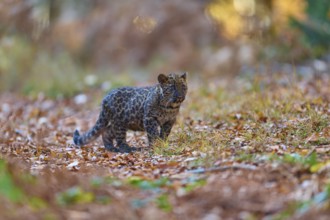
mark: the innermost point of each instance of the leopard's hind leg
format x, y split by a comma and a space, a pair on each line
108, 136
120, 136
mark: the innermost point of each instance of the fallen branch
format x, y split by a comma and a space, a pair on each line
223, 168
310, 152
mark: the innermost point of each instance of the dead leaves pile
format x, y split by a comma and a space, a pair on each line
249, 154
40, 133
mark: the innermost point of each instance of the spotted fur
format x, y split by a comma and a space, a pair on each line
152, 109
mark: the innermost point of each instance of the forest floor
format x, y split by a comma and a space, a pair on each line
242, 149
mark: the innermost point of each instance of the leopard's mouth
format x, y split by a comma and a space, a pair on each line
175, 104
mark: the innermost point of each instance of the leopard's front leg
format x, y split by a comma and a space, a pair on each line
166, 129
151, 127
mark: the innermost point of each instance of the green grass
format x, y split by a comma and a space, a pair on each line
249, 120
31, 71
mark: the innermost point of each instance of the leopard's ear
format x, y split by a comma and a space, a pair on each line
162, 78
184, 75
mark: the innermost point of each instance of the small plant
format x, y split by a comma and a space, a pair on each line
148, 184
165, 148
8, 188
163, 203
74, 195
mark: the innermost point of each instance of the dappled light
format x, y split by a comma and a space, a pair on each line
145, 24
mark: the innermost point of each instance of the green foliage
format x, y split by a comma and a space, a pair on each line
155, 187
163, 203
139, 203
147, 184
74, 195
322, 196
296, 158
316, 29
37, 203
25, 69
103, 199
318, 10
194, 183
321, 199
15, 194
159, 197
113, 181
246, 157
15, 60
8, 188
30, 70
96, 181
287, 213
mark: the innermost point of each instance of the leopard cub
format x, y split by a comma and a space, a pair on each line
152, 109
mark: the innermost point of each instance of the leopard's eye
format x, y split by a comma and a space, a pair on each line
172, 86
169, 89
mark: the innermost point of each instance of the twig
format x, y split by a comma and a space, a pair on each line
310, 152
32, 146
223, 168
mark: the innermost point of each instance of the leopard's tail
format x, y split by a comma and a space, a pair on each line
100, 125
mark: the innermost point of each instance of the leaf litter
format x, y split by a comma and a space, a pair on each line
240, 153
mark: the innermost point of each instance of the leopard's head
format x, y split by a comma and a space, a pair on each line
173, 89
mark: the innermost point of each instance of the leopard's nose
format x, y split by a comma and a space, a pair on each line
178, 96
